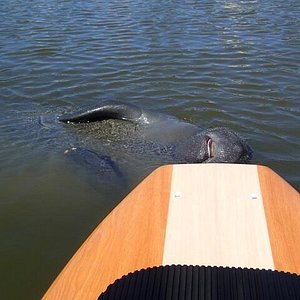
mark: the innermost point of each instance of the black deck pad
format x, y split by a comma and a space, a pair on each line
198, 282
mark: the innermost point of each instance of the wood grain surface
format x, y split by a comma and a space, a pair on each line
214, 223
129, 239
207, 214
282, 208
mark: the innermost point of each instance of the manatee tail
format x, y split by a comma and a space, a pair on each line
112, 110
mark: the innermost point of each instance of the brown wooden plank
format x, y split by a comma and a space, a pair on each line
282, 208
130, 238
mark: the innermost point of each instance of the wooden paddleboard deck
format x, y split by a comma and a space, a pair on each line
200, 214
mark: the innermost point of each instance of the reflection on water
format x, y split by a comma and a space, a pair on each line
212, 63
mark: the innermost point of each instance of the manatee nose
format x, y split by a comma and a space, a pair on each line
210, 148
204, 149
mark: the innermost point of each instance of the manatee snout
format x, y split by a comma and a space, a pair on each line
214, 145
227, 146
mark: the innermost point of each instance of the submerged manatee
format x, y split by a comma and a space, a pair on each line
92, 160
99, 169
188, 143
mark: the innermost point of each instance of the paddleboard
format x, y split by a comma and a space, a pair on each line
216, 215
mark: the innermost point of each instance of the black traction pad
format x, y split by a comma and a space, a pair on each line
178, 282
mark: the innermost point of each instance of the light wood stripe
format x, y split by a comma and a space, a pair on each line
216, 217
129, 239
282, 208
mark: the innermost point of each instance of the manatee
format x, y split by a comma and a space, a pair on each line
92, 160
98, 170
187, 142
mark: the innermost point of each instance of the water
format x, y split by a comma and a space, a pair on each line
212, 63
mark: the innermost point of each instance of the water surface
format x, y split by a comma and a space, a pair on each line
212, 63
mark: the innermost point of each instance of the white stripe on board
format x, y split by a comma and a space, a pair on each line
216, 217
